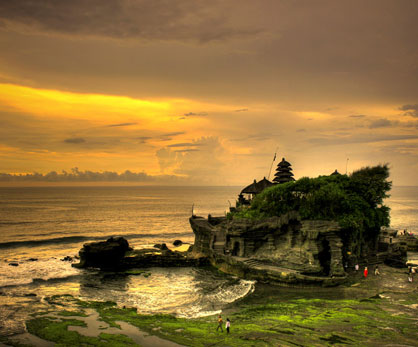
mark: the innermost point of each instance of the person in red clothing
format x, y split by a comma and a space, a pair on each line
366, 272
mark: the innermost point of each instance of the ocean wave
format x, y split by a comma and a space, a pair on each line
38, 271
79, 239
55, 240
18, 223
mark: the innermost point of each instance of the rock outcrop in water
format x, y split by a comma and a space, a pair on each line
115, 254
277, 249
104, 254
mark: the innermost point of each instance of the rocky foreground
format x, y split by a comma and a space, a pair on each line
373, 311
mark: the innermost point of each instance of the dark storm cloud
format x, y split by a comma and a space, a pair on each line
75, 140
198, 20
380, 123
120, 125
410, 110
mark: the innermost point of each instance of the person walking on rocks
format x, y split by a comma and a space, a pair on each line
376, 271
220, 321
227, 325
356, 267
366, 272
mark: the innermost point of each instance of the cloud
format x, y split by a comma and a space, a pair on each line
144, 139
410, 110
88, 176
357, 116
380, 123
169, 136
187, 150
192, 114
242, 110
185, 144
366, 138
120, 125
195, 20
75, 140
203, 165
175, 133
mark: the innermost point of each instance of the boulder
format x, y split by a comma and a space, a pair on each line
67, 258
161, 246
177, 243
14, 264
104, 255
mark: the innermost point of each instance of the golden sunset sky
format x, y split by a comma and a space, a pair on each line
205, 91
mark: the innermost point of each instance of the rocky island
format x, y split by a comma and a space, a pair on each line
306, 232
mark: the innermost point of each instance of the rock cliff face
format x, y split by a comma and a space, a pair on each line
311, 248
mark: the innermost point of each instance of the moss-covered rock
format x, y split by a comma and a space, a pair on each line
365, 321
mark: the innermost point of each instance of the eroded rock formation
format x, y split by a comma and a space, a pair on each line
303, 247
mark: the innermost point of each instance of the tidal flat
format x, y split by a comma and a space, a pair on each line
379, 310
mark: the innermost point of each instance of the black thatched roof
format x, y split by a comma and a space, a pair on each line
284, 164
283, 172
257, 187
251, 189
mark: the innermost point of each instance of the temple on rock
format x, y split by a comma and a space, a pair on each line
283, 174
286, 248
281, 249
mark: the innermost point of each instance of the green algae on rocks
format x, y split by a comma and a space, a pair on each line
304, 322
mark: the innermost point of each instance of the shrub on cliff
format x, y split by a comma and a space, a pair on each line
355, 201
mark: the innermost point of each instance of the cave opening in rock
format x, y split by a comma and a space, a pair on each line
236, 249
324, 257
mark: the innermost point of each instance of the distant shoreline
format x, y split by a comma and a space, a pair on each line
103, 184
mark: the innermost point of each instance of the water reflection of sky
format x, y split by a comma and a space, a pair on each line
182, 291
404, 208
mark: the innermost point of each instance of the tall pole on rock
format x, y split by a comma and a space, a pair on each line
346, 166
271, 166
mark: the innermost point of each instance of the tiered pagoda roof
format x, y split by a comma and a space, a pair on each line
283, 172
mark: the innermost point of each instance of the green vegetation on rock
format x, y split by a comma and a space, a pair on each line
302, 322
354, 201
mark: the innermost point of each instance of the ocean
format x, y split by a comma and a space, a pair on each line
39, 226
